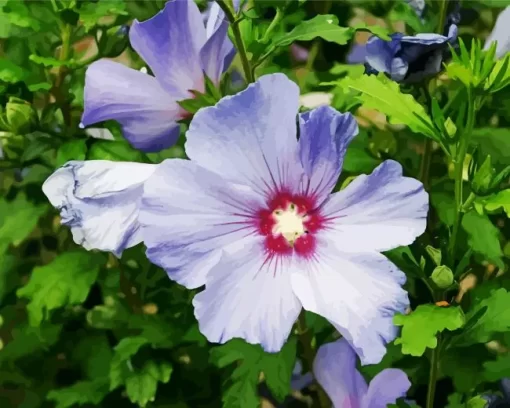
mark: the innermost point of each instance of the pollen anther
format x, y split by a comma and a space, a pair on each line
289, 223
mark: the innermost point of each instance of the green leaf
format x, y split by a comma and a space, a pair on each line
114, 150
8, 277
497, 201
49, 61
121, 366
91, 13
476, 402
27, 340
493, 141
22, 218
252, 360
444, 204
496, 319
380, 93
141, 384
39, 144
10, 72
65, 281
324, 26
483, 237
464, 366
357, 158
94, 355
71, 150
81, 393
497, 369
419, 328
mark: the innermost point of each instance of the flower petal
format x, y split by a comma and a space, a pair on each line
334, 368
217, 53
358, 294
250, 138
385, 388
170, 43
501, 34
248, 297
324, 136
99, 200
188, 214
377, 212
145, 111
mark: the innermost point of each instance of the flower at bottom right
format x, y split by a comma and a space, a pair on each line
335, 370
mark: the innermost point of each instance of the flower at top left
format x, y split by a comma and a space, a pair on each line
180, 50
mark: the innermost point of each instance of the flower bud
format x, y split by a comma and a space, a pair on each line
20, 115
442, 276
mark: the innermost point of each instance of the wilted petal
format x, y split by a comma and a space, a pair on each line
170, 43
380, 54
377, 212
324, 136
385, 388
188, 215
250, 138
248, 296
100, 200
501, 34
358, 294
145, 111
334, 368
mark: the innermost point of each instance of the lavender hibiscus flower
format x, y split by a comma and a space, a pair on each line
335, 370
252, 212
501, 34
179, 50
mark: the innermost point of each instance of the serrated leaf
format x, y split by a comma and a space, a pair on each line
483, 237
324, 26
80, 393
119, 368
496, 319
141, 386
91, 13
252, 360
420, 327
380, 93
71, 150
65, 281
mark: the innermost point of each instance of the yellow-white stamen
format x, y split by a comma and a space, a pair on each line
289, 223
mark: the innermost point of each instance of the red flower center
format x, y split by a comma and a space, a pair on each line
289, 224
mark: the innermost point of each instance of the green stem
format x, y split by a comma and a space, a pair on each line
458, 173
305, 339
442, 16
276, 20
241, 49
60, 94
434, 360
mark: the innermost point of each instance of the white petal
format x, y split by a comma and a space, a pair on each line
377, 212
248, 297
358, 294
188, 214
